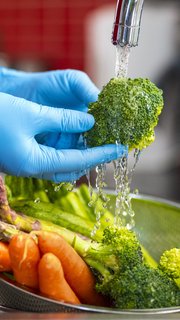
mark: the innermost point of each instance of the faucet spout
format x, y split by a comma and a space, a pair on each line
127, 22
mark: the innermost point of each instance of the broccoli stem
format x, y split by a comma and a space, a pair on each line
96, 265
148, 259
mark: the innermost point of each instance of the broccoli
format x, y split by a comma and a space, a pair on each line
118, 248
170, 264
141, 287
124, 277
127, 111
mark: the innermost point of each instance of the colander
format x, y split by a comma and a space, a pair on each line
157, 224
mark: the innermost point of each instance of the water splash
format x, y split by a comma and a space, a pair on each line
123, 210
69, 186
88, 176
124, 213
137, 153
100, 194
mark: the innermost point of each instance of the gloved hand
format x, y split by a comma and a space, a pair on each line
20, 153
70, 89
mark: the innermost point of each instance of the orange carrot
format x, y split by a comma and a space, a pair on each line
24, 254
52, 281
5, 262
76, 272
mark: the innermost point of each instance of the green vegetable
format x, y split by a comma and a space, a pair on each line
124, 277
141, 287
50, 212
21, 188
170, 264
67, 209
127, 111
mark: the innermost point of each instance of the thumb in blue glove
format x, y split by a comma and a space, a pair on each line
20, 153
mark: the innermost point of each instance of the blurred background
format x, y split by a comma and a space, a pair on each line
38, 35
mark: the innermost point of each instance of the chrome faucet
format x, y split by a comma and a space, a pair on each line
127, 22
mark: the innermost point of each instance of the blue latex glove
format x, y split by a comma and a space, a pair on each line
20, 154
70, 89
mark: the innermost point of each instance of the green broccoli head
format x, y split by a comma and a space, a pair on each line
130, 283
125, 245
118, 248
140, 287
170, 263
127, 111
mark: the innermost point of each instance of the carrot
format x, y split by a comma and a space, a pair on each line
5, 262
24, 254
76, 272
52, 281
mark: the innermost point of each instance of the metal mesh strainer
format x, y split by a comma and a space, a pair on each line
158, 226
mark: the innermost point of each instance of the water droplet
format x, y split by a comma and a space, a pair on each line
69, 186
57, 188
37, 200
148, 107
136, 191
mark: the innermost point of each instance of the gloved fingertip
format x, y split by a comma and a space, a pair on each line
103, 154
122, 151
113, 151
83, 86
93, 94
68, 177
89, 122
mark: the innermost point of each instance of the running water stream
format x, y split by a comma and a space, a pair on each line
124, 214
122, 60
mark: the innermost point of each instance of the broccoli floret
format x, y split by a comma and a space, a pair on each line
126, 246
124, 277
127, 111
170, 264
118, 248
141, 287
